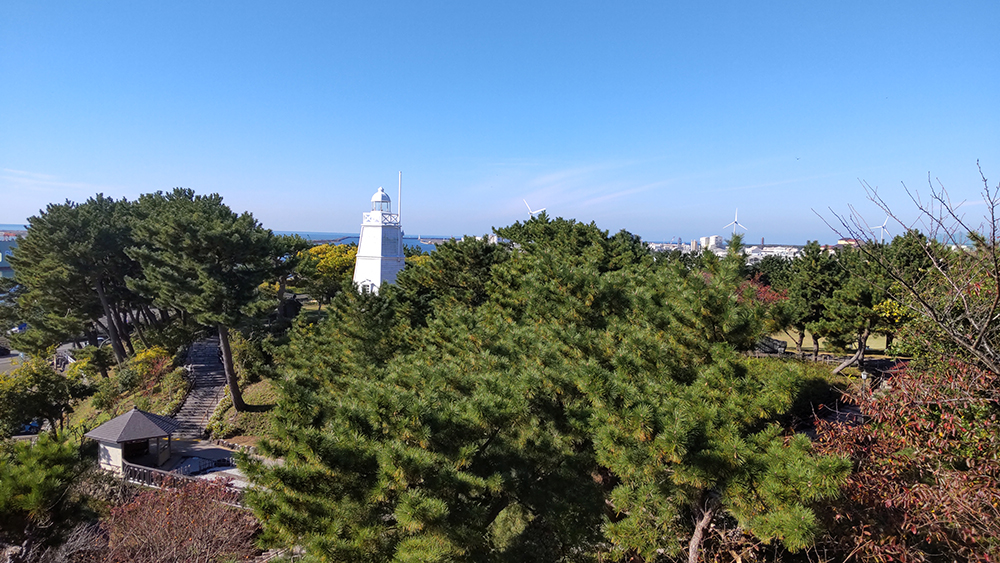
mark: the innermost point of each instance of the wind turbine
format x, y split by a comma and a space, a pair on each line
882, 230
530, 212
736, 223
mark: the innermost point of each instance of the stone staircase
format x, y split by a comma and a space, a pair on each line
205, 369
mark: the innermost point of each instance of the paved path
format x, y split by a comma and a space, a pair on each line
7, 362
209, 387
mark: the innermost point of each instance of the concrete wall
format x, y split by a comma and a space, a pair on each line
163, 444
110, 456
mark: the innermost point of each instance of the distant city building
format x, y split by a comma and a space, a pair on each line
380, 248
491, 238
848, 242
711, 242
753, 254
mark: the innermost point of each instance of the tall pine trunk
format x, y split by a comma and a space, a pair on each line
815, 347
799, 337
227, 362
116, 342
123, 330
147, 314
138, 327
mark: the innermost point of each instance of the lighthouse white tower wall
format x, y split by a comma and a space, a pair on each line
380, 250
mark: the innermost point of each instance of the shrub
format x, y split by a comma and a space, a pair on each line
107, 395
128, 378
152, 363
250, 358
193, 521
926, 484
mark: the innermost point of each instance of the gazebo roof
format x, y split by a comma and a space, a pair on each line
134, 425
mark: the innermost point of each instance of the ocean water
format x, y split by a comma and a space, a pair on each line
338, 238
348, 238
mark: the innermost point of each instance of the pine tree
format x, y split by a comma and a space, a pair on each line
72, 263
35, 479
814, 278
286, 255
202, 258
850, 314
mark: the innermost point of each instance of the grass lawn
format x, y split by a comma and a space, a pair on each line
238, 426
163, 397
876, 343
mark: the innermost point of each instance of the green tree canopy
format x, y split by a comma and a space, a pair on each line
326, 269
199, 256
34, 480
814, 277
573, 403
73, 264
35, 391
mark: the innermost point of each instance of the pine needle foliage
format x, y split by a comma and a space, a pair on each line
562, 397
34, 482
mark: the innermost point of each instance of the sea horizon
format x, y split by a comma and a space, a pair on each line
348, 238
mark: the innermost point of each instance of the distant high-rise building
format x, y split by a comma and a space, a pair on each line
380, 249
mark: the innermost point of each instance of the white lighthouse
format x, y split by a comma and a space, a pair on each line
380, 250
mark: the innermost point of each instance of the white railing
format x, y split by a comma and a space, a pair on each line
380, 218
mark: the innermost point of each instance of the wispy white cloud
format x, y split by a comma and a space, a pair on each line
38, 182
622, 193
27, 174
973, 203
567, 190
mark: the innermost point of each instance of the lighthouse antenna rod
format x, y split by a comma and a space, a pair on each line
399, 199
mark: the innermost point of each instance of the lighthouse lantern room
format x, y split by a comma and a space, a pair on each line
380, 250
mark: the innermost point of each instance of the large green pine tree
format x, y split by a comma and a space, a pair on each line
72, 263
850, 316
199, 256
814, 277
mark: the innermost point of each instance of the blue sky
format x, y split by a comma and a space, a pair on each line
661, 118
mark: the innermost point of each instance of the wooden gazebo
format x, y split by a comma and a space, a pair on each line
137, 436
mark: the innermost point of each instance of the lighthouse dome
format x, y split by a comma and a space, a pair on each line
380, 196
381, 201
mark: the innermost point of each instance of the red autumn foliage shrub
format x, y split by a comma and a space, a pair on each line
761, 292
193, 520
926, 484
